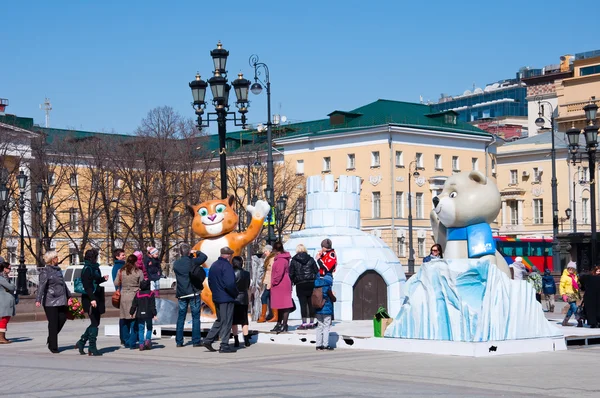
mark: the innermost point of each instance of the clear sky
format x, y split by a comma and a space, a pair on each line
105, 64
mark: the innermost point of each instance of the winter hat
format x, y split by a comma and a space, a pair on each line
268, 248
145, 284
572, 264
518, 259
153, 251
139, 256
326, 243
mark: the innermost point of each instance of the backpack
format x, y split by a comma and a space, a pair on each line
197, 276
317, 299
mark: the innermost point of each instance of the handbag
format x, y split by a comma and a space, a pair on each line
116, 296
78, 284
331, 296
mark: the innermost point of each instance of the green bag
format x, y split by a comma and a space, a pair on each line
78, 284
381, 321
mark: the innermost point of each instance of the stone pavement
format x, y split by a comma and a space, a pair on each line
264, 370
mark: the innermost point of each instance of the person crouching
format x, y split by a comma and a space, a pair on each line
143, 309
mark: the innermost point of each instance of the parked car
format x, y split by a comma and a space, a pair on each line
74, 271
168, 283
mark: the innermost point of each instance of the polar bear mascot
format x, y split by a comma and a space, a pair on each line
462, 215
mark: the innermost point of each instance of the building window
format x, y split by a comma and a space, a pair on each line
300, 167
401, 247
537, 175
51, 179
514, 177
584, 175
585, 210
118, 183
538, 211
455, 164
437, 159
12, 254
514, 212
300, 211
212, 183
399, 159
74, 258
239, 181
52, 219
73, 220
73, 180
589, 70
419, 159
493, 166
176, 221
376, 205
351, 161
375, 159
96, 223
117, 221
420, 205
400, 204
450, 118
421, 247
327, 164
158, 223
474, 164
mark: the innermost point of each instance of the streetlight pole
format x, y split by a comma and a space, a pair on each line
574, 204
411, 254
22, 270
257, 89
540, 122
591, 139
220, 90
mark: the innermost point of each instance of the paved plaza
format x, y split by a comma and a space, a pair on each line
265, 370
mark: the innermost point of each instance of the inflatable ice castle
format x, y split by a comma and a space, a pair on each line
368, 274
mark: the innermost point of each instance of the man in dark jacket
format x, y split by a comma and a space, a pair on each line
187, 294
221, 280
303, 272
119, 262
549, 289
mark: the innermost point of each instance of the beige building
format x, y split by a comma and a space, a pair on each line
383, 142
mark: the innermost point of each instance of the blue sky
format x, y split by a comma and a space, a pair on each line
105, 64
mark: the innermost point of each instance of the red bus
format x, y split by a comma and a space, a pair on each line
536, 252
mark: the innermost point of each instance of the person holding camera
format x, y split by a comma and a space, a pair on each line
189, 275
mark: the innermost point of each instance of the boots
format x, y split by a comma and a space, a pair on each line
274, 319
263, 314
81, 342
247, 341
580, 323
93, 350
3, 339
277, 327
236, 341
565, 321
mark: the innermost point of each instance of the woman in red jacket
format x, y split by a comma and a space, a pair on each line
281, 287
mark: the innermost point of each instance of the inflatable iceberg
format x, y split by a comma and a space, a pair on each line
468, 300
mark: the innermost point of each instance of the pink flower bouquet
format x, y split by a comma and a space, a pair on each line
75, 310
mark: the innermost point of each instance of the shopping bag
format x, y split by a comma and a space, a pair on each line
381, 321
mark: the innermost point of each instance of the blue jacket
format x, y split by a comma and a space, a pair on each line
326, 283
115, 270
548, 284
221, 280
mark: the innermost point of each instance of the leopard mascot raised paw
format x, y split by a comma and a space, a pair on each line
214, 221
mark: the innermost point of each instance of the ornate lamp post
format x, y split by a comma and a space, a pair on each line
411, 252
220, 91
540, 122
281, 206
39, 198
591, 143
256, 89
22, 270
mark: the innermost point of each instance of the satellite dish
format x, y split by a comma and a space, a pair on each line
260, 128
495, 85
467, 92
283, 119
478, 91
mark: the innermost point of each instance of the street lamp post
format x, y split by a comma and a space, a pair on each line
575, 202
220, 91
22, 270
256, 89
3, 199
591, 143
39, 197
540, 122
567, 217
411, 252
281, 206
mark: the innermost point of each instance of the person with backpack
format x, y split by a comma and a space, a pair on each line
128, 280
92, 301
188, 292
549, 289
153, 268
322, 300
143, 308
303, 272
240, 308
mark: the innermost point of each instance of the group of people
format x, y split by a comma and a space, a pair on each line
582, 293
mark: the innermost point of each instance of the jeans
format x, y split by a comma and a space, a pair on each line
264, 299
194, 303
323, 330
222, 325
572, 309
147, 324
129, 332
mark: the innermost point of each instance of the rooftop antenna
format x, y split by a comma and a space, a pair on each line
47, 107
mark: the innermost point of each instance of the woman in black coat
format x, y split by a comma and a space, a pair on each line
590, 283
92, 300
53, 294
303, 272
240, 309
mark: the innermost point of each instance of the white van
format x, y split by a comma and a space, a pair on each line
74, 271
